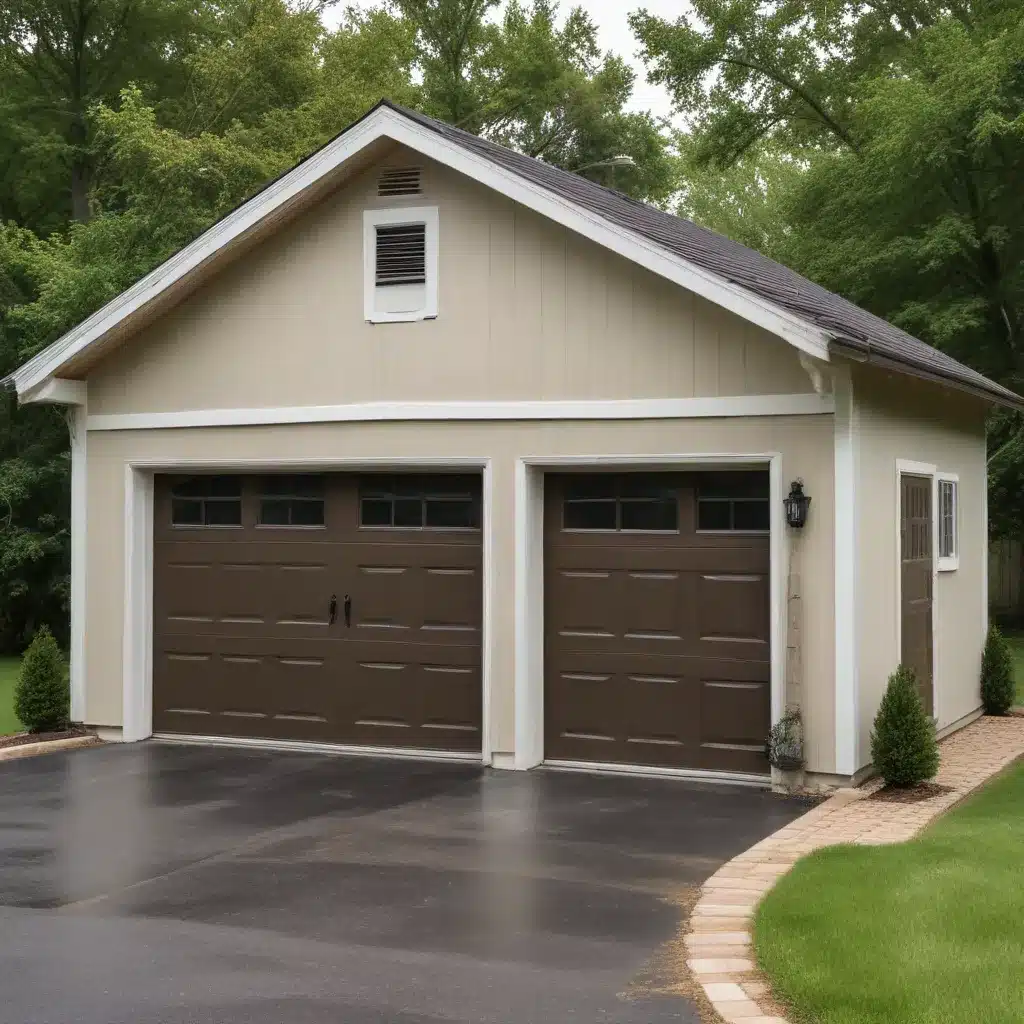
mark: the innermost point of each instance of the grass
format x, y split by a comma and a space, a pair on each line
1017, 647
925, 932
8, 676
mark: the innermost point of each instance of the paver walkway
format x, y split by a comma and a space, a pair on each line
718, 941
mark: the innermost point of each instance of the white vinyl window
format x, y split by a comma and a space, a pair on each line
400, 264
947, 522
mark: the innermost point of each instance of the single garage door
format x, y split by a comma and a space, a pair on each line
657, 619
319, 607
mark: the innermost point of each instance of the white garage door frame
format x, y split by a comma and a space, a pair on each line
529, 595
137, 651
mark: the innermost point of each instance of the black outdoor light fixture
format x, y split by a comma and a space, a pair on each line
796, 504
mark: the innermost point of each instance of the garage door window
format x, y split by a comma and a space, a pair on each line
419, 503
625, 503
292, 501
207, 501
733, 502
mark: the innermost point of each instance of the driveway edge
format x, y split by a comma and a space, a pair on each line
47, 746
718, 937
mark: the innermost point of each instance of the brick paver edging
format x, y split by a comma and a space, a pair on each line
718, 939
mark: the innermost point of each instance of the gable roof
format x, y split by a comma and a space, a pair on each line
742, 280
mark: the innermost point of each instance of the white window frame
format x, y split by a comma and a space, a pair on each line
947, 563
372, 219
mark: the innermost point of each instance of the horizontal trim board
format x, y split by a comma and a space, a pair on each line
376, 412
685, 774
339, 749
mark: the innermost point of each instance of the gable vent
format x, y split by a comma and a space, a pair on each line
402, 254
400, 181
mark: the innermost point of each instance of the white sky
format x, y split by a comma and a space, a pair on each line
613, 34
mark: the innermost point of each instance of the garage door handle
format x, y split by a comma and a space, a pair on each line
332, 609
348, 610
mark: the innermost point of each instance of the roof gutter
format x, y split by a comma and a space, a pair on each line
862, 352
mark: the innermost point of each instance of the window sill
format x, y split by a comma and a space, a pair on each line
400, 318
948, 564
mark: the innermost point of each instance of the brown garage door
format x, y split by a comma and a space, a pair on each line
657, 619
329, 608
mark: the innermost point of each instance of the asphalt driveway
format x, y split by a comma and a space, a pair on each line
173, 884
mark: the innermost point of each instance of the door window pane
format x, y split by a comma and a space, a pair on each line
207, 501
589, 515
652, 516
292, 500
641, 502
412, 501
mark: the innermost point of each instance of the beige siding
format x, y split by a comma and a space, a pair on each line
804, 442
527, 310
903, 419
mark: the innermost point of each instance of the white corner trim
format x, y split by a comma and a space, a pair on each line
529, 615
948, 563
386, 123
79, 539
372, 219
847, 588
370, 412
58, 391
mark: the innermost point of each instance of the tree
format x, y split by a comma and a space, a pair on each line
42, 699
59, 57
542, 89
903, 746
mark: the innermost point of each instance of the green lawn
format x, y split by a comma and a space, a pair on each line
8, 675
1017, 646
925, 932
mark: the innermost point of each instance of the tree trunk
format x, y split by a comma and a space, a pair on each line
79, 191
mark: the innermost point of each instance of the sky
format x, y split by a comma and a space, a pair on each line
613, 34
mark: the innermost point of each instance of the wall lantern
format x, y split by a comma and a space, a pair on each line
796, 505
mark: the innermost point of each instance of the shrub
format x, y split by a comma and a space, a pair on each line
42, 698
903, 745
998, 687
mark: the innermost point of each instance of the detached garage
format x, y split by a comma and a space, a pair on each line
434, 449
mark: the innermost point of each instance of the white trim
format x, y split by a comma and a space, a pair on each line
529, 577
372, 412
529, 615
907, 467
387, 123
137, 641
372, 219
57, 391
337, 749
847, 567
947, 563
79, 595
137, 648
691, 775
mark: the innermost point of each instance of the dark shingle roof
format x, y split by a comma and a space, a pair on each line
854, 329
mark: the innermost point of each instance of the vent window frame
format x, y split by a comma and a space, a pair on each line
422, 298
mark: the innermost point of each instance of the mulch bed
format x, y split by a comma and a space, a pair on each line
21, 738
910, 794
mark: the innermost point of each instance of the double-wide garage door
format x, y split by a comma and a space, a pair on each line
332, 608
347, 608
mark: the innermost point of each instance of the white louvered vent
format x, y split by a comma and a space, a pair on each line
400, 181
401, 254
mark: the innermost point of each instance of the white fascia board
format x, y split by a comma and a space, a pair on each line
387, 123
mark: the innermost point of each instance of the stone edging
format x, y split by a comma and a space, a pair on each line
718, 937
47, 746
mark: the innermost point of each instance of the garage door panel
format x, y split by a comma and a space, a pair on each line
733, 606
657, 647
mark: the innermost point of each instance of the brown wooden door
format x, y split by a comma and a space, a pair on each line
916, 577
656, 632
328, 608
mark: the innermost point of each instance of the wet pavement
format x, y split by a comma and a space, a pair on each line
172, 884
